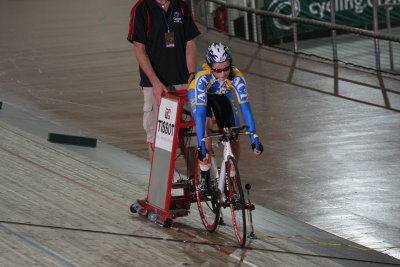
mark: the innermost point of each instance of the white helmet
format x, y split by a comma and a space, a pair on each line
217, 53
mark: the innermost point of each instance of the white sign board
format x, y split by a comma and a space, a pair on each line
166, 124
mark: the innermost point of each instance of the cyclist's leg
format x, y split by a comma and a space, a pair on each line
207, 133
205, 165
206, 162
234, 122
223, 106
235, 145
222, 110
207, 202
223, 113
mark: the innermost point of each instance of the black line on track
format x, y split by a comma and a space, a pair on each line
194, 242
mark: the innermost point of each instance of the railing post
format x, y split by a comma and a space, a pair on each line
334, 51
389, 29
246, 22
231, 25
253, 18
259, 29
333, 21
196, 15
206, 4
294, 25
376, 29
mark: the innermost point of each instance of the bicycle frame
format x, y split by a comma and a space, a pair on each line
222, 175
226, 154
229, 185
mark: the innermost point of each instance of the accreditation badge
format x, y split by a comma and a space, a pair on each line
169, 39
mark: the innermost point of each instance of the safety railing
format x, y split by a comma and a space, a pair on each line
389, 30
224, 15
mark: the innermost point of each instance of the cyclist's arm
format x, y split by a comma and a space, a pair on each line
241, 92
197, 97
247, 115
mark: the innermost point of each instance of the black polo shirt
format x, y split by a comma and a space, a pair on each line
148, 26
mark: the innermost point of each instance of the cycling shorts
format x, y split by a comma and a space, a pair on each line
220, 106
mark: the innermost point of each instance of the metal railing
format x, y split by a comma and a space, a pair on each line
389, 30
204, 12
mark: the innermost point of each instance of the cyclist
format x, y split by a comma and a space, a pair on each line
211, 92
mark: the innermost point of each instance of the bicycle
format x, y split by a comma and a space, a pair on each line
225, 190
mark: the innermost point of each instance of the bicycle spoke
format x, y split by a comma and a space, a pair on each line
207, 201
236, 201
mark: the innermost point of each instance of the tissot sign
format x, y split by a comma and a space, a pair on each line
348, 12
166, 124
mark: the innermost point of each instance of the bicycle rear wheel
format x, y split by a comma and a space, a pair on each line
235, 198
207, 200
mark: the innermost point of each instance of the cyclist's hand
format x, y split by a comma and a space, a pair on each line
259, 150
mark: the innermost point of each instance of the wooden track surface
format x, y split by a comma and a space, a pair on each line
60, 208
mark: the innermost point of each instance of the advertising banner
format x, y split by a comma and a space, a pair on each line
348, 12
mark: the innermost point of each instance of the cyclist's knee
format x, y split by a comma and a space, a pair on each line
235, 143
205, 166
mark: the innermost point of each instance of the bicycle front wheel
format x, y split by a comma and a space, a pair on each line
207, 200
236, 201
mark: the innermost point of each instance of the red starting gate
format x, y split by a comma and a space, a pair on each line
160, 204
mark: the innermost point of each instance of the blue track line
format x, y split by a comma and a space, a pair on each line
38, 246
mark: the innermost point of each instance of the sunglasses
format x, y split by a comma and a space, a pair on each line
221, 70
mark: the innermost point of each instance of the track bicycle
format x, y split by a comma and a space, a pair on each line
224, 190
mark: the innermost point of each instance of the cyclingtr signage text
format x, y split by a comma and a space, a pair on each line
166, 124
348, 12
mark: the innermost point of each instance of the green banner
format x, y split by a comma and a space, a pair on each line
348, 12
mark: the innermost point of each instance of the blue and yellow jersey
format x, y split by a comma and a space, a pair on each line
205, 83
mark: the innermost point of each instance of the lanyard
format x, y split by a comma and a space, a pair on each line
168, 23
